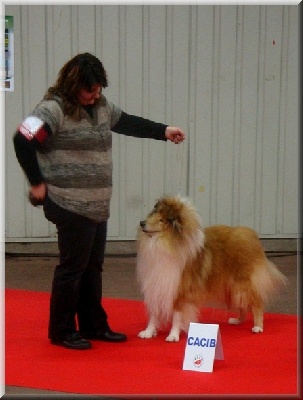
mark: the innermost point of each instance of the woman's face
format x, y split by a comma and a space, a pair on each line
86, 97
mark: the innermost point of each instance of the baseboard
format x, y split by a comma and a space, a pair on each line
127, 248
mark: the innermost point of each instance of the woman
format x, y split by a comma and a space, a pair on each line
64, 148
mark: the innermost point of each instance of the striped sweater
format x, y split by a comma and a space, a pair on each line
75, 159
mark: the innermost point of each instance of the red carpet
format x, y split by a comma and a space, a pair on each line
263, 363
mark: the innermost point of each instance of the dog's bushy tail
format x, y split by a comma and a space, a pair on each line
268, 281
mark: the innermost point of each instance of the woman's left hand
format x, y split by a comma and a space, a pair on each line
174, 134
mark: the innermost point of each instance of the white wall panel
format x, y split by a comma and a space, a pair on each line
201, 138
133, 149
228, 75
289, 164
245, 185
154, 101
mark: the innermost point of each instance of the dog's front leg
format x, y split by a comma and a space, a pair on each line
174, 333
151, 329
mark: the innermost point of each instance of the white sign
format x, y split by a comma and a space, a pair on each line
203, 347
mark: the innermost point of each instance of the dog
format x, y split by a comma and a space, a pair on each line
182, 267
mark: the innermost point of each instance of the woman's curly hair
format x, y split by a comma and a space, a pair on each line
81, 72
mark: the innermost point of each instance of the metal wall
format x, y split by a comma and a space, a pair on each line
226, 74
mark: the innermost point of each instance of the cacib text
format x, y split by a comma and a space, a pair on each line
202, 342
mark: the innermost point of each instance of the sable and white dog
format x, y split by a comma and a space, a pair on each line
182, 267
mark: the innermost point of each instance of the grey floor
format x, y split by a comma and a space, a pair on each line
119, 281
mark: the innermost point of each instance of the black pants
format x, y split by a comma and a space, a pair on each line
77, 283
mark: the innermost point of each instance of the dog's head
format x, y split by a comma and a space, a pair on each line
175, 225
170, 214
164, 216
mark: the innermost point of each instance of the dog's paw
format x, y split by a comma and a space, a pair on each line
234, 321
147, 334
257, 329
172, 337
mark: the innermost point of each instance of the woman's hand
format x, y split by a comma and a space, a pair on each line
174, 134
37, 194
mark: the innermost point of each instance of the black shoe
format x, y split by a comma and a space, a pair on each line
73, 341
108, 336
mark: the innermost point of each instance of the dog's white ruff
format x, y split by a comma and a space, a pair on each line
159, 277
159, 273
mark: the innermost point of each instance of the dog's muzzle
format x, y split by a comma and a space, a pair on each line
143, 226
148, 232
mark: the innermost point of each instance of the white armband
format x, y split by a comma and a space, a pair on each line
33, 127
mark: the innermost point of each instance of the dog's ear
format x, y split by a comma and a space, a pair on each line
175, 223
171, 215
156, 206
